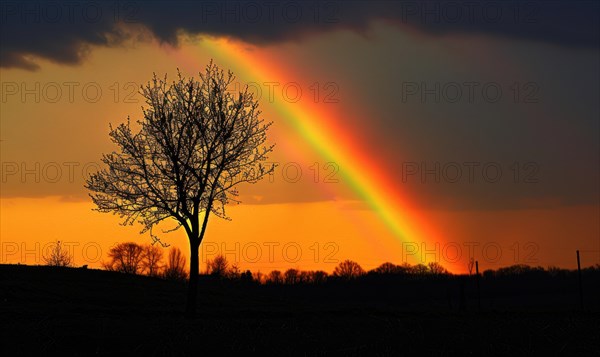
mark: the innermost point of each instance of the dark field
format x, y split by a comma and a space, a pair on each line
77, 312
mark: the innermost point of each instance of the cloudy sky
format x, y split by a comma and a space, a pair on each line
405, 131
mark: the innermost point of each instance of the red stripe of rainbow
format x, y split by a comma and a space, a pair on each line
368, 182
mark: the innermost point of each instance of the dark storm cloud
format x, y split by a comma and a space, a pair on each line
63, 31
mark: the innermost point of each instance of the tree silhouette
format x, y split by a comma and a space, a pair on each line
219, 266
348, 269
388, 269
58, 256
196, 143
275, 277
234, 271
246, 276
125, 258
471, 265
175, 267
318, 277
291, 276
436, 268
420, 269
304, 277
518, 269
259, 277
151, 260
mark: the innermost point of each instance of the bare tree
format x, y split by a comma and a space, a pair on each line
420, 269
348, 269
234, 272
196, 143
318, 277
259, 277
58, 256
125, 258
291, 276
388, 269
219, 266
304, 277
405, 268
275, 277
471, 265
175, 267
436, 268
152, 256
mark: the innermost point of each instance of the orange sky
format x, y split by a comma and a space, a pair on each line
280, 225
260, 238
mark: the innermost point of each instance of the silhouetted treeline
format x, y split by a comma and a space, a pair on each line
133, 258
148, 260
524, 270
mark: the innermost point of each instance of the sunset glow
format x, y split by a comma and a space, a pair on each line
365, 173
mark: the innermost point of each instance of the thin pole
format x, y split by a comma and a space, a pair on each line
477, 281
580, 285
462, 305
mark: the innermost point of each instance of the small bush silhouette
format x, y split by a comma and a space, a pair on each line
219, 266
175, 268
348, 269
125, 258
58, 256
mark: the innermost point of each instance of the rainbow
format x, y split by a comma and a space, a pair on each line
369, 182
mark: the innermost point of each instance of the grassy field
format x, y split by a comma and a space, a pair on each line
80, 312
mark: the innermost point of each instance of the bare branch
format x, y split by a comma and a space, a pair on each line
196, 143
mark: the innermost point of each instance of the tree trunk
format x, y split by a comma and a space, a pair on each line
190, 310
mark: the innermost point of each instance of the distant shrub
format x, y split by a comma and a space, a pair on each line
152, 256
291, 276
489, 273
317, 277
519, 269
348, 270
388, 269
125, 258
420, 270
275, 277
175, 268
219, 266
436, 269
58, 256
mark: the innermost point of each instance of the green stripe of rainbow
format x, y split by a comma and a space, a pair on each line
357, 170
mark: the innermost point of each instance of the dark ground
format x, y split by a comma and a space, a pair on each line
77, 312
